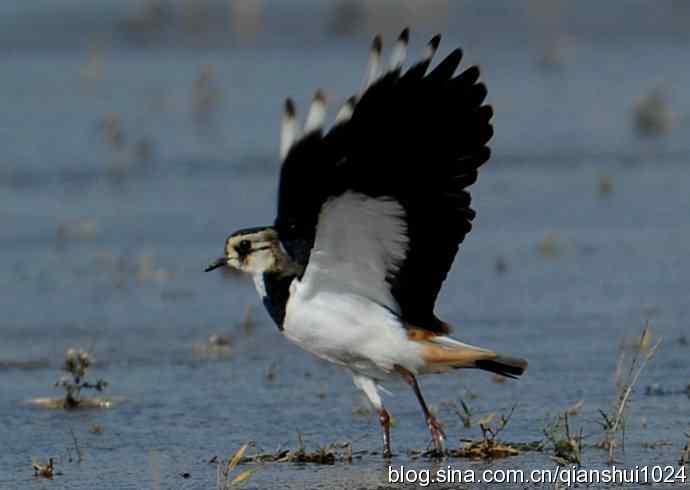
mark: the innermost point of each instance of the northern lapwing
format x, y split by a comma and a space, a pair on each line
370, 215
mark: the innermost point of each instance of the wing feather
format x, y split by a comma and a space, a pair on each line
413, 143
359, 242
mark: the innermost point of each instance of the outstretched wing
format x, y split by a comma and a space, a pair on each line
378, 205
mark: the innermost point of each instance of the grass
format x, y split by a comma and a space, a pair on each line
77, 449
490, 447
613, 422
76, 365
323, 455
224, 475
487, 448
463, 412
566, 447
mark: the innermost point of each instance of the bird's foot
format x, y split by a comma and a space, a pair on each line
437, 435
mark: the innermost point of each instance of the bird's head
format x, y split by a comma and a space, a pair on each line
252, 250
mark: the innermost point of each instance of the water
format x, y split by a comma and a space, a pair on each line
105, 249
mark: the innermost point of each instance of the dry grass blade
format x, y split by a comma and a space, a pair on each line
225, 469
575, 409
76, 445
465, 415
645, 339
237, 457
486, 420
242, 477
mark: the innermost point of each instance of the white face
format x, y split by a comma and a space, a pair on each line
253, 252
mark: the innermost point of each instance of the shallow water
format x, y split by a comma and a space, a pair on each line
105, 250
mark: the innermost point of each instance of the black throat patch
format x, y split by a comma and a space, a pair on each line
277, 295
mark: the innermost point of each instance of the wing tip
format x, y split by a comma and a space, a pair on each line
377, 45
400, 49
435, 42
290, 110
317, 112
471, 74
319, 96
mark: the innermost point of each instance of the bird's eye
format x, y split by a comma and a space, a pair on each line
244, 247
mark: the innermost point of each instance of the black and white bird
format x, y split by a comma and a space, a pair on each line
370, 216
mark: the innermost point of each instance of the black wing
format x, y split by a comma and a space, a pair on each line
418, 138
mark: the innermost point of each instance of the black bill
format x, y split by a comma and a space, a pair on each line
215, 264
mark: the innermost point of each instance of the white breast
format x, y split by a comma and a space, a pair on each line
349, 330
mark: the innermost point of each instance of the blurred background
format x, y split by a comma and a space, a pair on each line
135, 135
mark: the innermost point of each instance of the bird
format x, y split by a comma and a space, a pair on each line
370, 215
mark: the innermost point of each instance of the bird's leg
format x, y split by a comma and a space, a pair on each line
385, 420
432, 422
368, 386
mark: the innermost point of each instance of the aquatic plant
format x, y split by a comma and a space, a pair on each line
489, 447
567, 448
613, 422
463, 411
77, 363
324, 455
